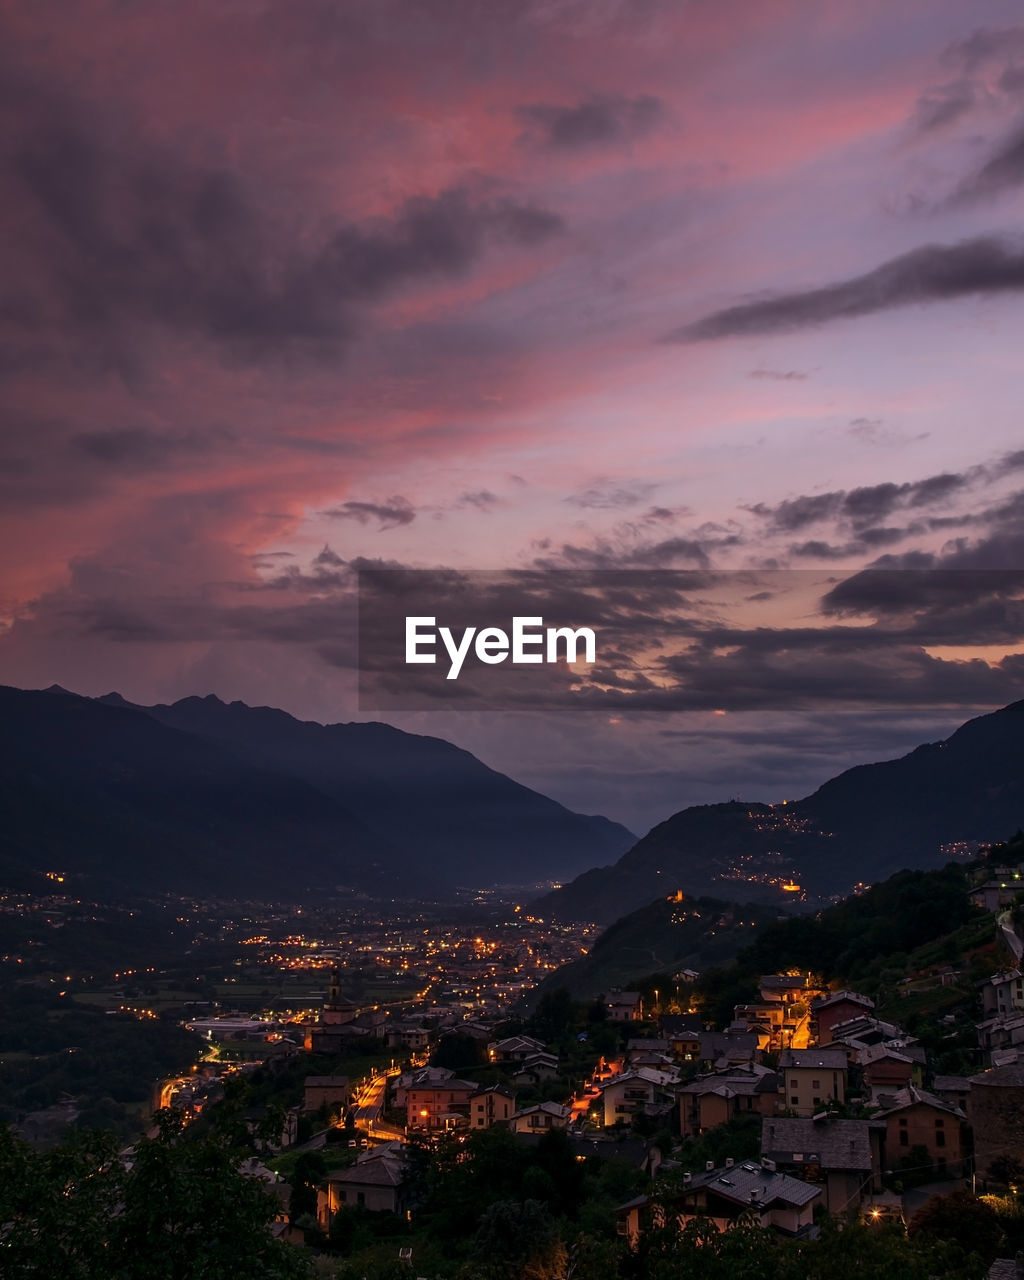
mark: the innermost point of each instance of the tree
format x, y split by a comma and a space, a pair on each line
1007, 1170
959, 1219
175, 1210
555, 1017
518, 1241
310, 1169
458, 1052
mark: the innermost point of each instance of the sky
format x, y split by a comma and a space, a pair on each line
731, 288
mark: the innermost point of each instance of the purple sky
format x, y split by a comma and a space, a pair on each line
285, 287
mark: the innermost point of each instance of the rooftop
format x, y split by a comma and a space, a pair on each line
826, 1059
833, 1144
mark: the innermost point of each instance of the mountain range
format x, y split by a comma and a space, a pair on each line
940, 801
204, 797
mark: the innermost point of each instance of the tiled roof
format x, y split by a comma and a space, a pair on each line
911, 1096
737, 1183
1009, 1076
841, 997
834, 1144
826, 1059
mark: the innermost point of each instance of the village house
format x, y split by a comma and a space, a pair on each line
636, 1090
514, 1049
1004, 1031
863, 1029
443, 1105
649, 1052
996, 1110
332, 1091
811, 1078
420, 1077
641, 1046
886, 1069
493, 1105
914, 1118
954, 1089
374, 1182
722, 1195
840, 1006
405, 1035
536, 1069
713, 1099
766, 1021
997, 893
842, 1156
682, 1032
624, 1006
540, 1118
728, 1048
781, 988
1003, 993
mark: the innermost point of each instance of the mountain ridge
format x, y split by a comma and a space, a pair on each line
206, 796
859, 827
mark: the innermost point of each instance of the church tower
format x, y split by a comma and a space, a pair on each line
337, 1010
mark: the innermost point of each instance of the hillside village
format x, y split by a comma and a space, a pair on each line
810, 1099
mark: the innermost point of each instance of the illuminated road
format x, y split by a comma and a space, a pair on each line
369, 1103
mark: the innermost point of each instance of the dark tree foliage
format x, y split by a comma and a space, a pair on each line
698, 1251
518, 1240
556, 1016
108, 1063
960, 1219
853, 940
459, 1052
174, 1210
309, 1169
902, 913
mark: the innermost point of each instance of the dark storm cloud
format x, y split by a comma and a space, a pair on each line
817, 549
933, 273
391, 514
607, 495
925, 584
136, 448
141, 236
1012, 80
771, 677
872, 501
666, 553
943, 105
866, 540
865, 505
796, 513
596, 121
479, 499
1003, 170
983, 46
778, 375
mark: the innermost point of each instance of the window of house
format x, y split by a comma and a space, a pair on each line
360, 1198
815, 1084
794, 1102
904, 1138
940, 1138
